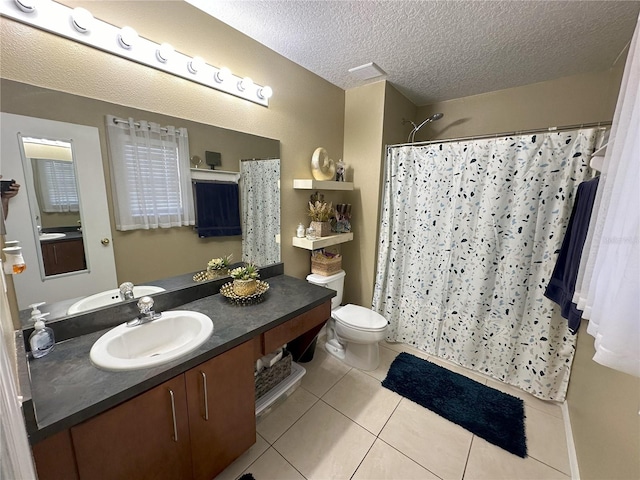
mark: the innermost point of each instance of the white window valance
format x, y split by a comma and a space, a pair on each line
150, 176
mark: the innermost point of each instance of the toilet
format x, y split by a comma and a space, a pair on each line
353, 332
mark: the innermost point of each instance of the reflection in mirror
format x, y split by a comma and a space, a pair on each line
141, 257
260, 190
54, 205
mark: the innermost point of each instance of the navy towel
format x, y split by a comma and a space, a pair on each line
217, 209
563, 280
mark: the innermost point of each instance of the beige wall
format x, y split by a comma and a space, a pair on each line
565, 101
373, 119
603, 406
305, 111
363, 122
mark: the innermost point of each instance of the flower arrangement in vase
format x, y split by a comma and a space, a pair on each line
219, 267
321, 213
244, 279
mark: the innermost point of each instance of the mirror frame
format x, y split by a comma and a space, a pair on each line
34, 225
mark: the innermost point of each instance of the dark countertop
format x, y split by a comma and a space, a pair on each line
73, 235
67, 389
58, 310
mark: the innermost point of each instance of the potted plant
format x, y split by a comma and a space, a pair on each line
321, 214
244, 279
219, 267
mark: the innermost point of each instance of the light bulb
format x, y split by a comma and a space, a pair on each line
265, 92
195, 64
127, 37
82, 19
245, 83
164, 52
222, 75
27, 6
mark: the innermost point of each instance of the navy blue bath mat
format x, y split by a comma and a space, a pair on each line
484, 411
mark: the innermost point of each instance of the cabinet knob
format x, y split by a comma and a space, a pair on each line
105, 241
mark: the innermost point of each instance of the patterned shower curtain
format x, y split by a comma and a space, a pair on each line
469, 236
260, 193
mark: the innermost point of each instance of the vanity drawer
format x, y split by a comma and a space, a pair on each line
284, 333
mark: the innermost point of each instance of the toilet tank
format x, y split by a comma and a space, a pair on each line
334, 282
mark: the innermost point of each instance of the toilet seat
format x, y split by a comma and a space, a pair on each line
360, 318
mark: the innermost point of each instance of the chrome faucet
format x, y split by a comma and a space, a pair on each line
145, 304
126, 291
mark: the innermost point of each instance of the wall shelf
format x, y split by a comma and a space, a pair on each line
309, 184
322, 242
220, 175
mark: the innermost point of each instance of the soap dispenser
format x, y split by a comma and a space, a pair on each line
41, 340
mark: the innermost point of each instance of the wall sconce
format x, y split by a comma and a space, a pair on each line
80, 25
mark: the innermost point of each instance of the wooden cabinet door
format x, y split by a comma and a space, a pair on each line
137, 439
63, 256
221, 398
54, 458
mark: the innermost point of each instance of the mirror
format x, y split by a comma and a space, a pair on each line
54, 205
142, 257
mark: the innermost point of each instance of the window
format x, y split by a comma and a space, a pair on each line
56, 185
150, 175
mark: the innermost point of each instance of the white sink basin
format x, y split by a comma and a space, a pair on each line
174, 334
51, 236
109, 297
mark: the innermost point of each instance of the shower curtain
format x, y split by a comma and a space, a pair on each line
469, 236
260, 193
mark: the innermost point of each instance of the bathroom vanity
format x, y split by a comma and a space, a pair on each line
63, 255
189, 418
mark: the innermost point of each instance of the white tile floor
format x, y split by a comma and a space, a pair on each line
341, 424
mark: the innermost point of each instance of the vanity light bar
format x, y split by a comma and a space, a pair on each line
79, 25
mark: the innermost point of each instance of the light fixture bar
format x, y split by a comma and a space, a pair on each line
57, 19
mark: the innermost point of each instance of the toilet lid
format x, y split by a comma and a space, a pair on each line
360, 317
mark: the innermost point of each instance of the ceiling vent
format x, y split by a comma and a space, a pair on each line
367, 71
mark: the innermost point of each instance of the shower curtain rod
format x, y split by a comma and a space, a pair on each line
505, 134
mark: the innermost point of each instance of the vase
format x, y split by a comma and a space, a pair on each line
322, 229
244, 288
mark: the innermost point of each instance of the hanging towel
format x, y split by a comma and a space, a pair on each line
563, 280
217, 209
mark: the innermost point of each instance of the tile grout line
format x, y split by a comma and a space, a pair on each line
409, 458
466, 462
362, 460
288, 462
291, 426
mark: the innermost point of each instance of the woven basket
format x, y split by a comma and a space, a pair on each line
326, 266
272, 376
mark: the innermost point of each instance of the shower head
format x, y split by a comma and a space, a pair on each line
432, 118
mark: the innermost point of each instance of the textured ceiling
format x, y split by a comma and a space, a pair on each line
438, 50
